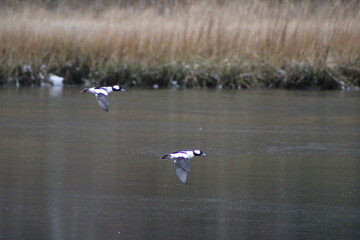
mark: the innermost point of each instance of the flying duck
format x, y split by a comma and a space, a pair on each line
102, 94
181, 161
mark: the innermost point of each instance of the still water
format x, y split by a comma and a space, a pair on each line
279, 165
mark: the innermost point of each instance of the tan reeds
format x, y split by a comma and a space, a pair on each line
242, 31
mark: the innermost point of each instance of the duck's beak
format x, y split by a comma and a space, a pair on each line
85, 90
203, 154
123, 90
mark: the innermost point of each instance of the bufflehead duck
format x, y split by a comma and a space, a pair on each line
102, 94
181, 161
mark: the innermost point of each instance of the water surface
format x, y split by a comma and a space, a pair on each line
279, 165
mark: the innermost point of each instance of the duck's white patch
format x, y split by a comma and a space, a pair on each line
197, 151
180, 155
116, 87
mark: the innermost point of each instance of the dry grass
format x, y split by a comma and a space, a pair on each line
241, 33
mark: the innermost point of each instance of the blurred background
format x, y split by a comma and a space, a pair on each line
213, 44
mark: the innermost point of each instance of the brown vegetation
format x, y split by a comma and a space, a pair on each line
233, 44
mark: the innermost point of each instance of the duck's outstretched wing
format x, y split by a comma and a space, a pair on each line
182, 169
103, 101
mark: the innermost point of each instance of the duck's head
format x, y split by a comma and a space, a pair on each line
117, 88
198, 152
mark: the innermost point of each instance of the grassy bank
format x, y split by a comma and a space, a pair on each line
230, 44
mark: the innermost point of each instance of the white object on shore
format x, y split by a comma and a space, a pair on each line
57, 81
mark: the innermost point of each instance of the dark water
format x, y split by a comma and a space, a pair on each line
279, 165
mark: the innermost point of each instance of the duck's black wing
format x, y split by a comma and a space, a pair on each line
103, 101
182, 168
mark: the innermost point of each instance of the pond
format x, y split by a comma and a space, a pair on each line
279, 164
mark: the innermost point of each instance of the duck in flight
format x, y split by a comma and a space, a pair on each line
102, 94
181, 161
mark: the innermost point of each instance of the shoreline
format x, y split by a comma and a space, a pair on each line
294, 77
231, 44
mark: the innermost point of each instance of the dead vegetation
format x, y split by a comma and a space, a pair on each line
230, 44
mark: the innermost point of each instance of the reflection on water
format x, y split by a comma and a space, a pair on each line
279, 165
